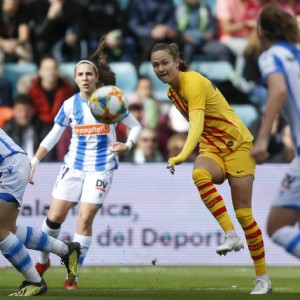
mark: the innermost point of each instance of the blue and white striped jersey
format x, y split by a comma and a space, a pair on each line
90, 140
7, 146
285, 59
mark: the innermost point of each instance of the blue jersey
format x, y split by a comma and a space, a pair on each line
284, 58
7, 146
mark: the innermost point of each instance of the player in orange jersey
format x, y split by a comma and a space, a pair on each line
225, 146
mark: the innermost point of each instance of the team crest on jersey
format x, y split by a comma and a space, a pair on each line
9, 169
92, 129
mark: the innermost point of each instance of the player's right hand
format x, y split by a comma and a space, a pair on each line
32, 170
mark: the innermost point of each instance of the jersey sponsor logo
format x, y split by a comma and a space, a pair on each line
93, 129
101, 185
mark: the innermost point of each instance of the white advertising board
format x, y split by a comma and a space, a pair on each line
151, 215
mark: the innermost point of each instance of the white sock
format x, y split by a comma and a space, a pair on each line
231, 233
85, 243
289, 238
34, 238
264, 277
44, 256
16, 253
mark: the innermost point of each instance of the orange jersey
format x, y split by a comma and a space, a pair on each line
223, 129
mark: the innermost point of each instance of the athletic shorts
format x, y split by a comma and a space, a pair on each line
288, 194
74, 186
14, 175
238, 163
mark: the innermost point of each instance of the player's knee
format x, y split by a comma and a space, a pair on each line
52, 225
201, 176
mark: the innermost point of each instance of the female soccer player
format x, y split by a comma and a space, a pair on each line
14, 174
225, 145
280, 67
91, 159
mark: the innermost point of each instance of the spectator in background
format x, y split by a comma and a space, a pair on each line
170, 123
175, 144
137, 110
149, 21
198, 28
14, 32
57, 29
5, 92
49, 89
48, 92
147, 148
236, 20
103, 18
26, 129
144, 94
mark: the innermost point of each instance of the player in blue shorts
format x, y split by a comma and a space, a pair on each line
15, 239
280, 67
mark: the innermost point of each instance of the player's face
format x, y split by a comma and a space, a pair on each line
165, 67
86, 79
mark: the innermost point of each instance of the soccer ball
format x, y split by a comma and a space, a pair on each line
108, 104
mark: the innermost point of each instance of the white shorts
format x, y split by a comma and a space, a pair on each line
74, 186
14, 175
289, 191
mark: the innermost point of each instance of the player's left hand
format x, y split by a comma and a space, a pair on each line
118, 147
171, 168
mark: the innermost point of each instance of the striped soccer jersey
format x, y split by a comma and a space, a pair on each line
7, 146
223, 130
284, 58
90, 140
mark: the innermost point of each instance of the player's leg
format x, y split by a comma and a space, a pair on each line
95, 189
36, 239
68, 186
14, 174
16, 253
241, 167
282, 231
209, 169
83, 235
285, 211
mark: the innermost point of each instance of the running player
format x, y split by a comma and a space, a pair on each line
14, 240
280, 66
87, 173
225, 145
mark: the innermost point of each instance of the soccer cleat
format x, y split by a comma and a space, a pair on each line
70, 260
231, 243
68, 286
42, 268
31, 289
262, 287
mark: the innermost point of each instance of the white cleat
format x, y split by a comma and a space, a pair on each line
262, 287
231, 243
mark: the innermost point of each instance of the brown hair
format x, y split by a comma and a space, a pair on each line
173, 50
105, 75
279, 25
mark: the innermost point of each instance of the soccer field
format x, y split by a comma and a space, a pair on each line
167, 282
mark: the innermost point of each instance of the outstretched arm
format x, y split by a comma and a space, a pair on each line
196, 119
135, 130
46, 145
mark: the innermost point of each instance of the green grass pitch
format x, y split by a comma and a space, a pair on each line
161, 282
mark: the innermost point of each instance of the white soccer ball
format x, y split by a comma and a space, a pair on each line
108, 104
